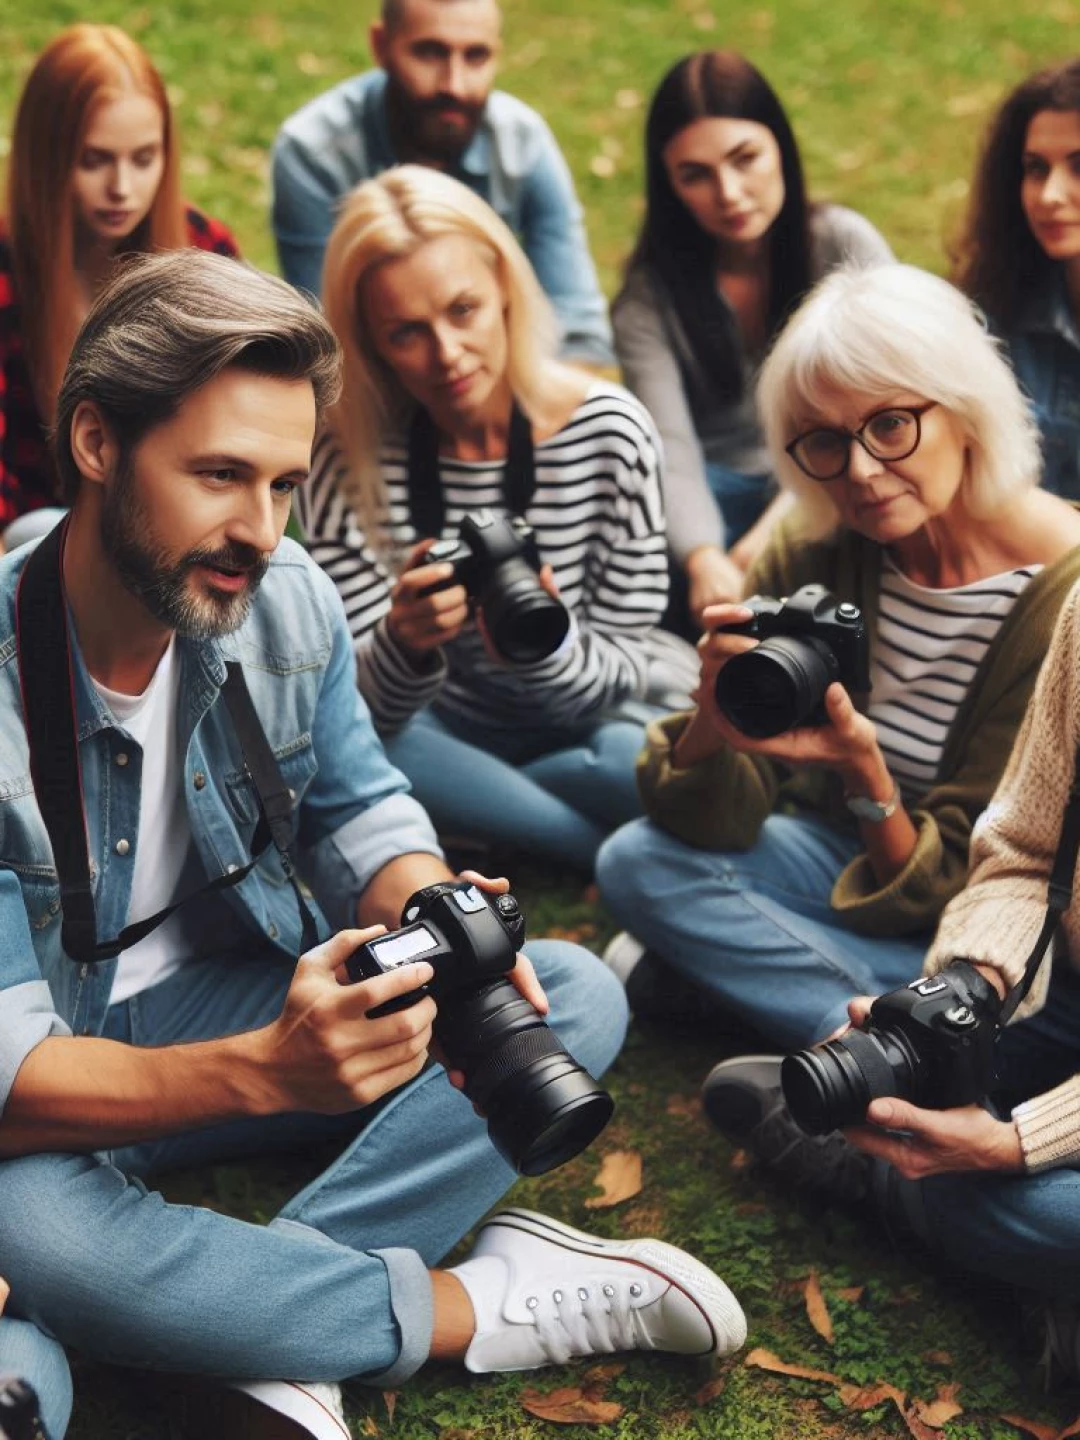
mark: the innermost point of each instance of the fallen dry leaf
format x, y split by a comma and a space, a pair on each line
816, 1310
597, 1378
916, 1427
944, 1407
865, 1397
740, 1160
851, 1293
1038, 1428
766, 1360
619, 1180
370, 1428
569, 1407
1073, 1429
390, 1401
708, 1393
939, 1357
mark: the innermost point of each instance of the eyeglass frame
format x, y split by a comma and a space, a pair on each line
915, 411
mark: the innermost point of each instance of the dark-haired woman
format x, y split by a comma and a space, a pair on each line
1019, 255
729, 244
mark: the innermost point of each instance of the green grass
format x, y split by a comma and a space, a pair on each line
888, 99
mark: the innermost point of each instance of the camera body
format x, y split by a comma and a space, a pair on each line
19, 1415
542, 1107
808, 640
930, 1043
496, 560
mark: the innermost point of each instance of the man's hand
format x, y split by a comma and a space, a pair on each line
938, 1141
323, 1053
5, 1291
523, 976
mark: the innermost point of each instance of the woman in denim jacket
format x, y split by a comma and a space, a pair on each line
1019, 255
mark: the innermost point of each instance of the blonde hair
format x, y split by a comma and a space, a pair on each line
872, 331
81, 69
388, 218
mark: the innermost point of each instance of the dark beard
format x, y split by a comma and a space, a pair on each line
417, 131
163, 585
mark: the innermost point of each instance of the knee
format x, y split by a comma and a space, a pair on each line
588, 1005
623, 867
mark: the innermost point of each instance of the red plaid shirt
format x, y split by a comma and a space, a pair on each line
27, 473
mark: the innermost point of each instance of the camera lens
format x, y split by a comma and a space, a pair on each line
777, 686
542, 1108
832, 1085
525, 623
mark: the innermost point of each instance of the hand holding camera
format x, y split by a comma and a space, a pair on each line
428, 608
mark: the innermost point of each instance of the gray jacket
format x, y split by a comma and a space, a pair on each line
657, 362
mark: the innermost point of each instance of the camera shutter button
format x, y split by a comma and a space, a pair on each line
847, 611
961, 1016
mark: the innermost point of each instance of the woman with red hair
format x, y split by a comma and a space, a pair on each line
93, 174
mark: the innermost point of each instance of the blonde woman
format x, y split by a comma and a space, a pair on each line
454, 402
780, 876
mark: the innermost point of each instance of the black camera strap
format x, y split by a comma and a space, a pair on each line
427, 508
1059, 894
48, 696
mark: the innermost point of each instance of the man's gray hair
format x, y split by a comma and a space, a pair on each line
167, 324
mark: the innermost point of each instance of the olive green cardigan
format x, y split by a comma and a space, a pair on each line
721, 802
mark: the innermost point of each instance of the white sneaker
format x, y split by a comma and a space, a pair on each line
621, 956
289, 1410
543, 1292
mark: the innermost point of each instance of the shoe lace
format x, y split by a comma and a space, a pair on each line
588, 1319
825, 1163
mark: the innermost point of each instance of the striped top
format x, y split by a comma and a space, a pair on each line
599, 523
928, 646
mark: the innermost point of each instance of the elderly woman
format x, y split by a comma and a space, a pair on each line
783, 875
454, 404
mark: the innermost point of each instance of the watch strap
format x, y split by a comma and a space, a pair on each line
875, 811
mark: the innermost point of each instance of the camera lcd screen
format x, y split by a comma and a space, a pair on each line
400, 949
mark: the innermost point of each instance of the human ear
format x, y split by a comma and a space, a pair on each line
93, 446
377, 40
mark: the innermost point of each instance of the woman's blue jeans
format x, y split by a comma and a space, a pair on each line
754, 928
553, 795
741, 499
336, 1285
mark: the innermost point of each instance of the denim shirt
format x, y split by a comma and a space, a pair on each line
513, 162
1045, 351
352, 815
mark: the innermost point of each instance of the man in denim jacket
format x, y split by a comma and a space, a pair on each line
431, 103
184, 423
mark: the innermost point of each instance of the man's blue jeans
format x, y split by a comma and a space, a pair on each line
754, 929
28, 1354
557, 796
336, 1285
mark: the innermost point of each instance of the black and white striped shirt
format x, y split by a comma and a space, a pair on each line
928, 646
598, 520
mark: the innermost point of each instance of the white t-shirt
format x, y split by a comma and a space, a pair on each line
164, 838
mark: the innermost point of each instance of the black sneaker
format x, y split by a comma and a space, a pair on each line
1059, 1364
743, 1099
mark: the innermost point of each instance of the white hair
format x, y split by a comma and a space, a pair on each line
873, 331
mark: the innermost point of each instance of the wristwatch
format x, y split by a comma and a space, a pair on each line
875, 811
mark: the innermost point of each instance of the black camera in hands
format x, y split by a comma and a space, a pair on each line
808, 640
19, 1416
497, 561
930, 1043
542, 1108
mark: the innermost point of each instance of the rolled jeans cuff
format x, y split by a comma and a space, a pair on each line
414, 1313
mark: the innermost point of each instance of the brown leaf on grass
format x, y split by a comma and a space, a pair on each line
683, 1106
766, 1360
595, 1381
569, 1407
851, 1293
865, 1397
939, 1357
709, 1392
1038, 1428
1073, 1429
817, 1311
390, 1401
916, 1427
370, 1428
619, 1179
740, 1160
944, 1407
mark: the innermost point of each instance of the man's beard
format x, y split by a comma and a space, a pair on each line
419, 129
162, 584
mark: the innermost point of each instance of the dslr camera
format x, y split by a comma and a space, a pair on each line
930, 1043
808, 640
542, 1108
497, 562
19, 1416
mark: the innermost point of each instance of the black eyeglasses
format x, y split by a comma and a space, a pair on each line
891, 434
